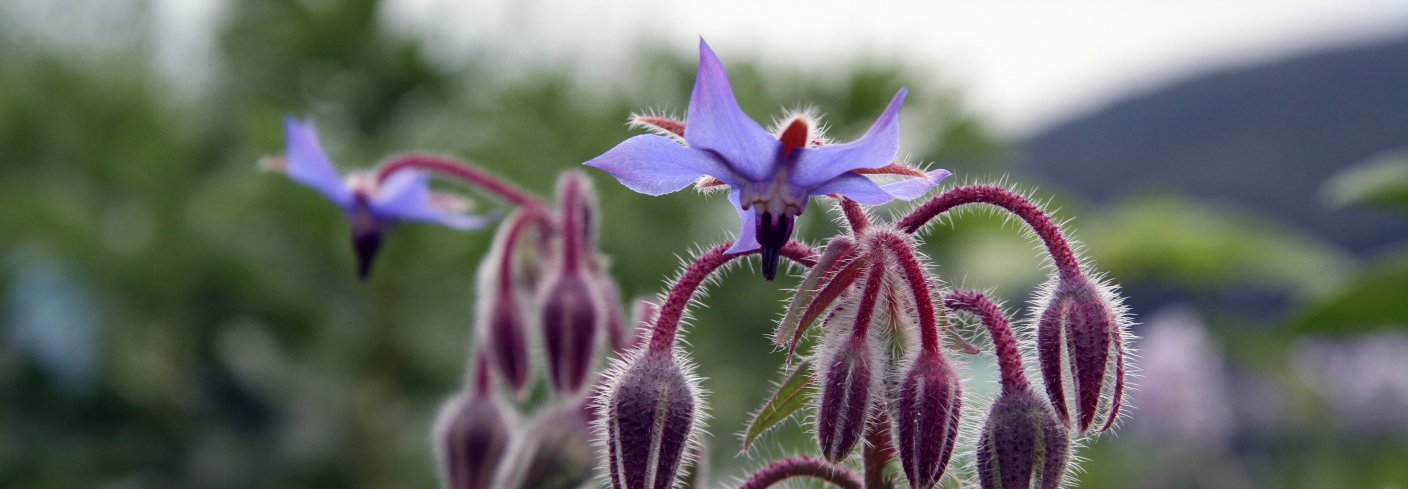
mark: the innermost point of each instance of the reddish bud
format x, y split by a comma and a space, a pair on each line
1023, 445
471, 439
570, 321
1079, 343
501, 318
925, 411
847, 381
650, 420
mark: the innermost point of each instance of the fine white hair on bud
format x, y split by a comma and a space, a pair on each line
1082, 345
649, 420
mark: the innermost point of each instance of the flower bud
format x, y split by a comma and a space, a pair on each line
925, 412
847, 379
1079, 342
1023, 445
570, 323
471, 439
554, 450
649, 422
502, 320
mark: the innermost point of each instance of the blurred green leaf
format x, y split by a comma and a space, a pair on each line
1381, 182
790, 396
1199, 244
1375, 298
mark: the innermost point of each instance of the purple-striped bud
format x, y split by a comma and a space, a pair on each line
925, 411
848, 380
570, 320
1023, 445
471, 439
1080, 348
649, 422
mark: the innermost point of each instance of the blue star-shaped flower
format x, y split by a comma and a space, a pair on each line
372, 205
770, 178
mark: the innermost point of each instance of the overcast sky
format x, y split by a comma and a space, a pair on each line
1021, 65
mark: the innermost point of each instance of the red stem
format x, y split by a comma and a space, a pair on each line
480, 384
1009, 358
869, 297
517, 224
855, 215
1048, 231
919, 287
463, 172
878, 451
788, 468
662, 337
571, 202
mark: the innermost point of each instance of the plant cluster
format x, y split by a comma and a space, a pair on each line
879, 388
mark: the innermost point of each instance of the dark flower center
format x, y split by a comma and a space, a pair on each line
773, 232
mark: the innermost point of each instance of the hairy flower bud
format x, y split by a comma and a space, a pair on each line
649, 422
1023, 445
570, 317
471, 439
1080, 349
847, 380
925, 411
502, 319
554, 450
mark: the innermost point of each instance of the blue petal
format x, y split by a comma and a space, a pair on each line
858, 188
715, 123
405, 196
307, 165
913, 187
875, 149
748, 233
655, 165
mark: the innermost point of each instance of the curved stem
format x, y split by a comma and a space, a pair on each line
788, 468
463, 172
1041, 224
517, 224
855, 215
918, 287
1009, 357
662, 337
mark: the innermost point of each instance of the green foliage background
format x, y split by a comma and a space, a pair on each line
235, 348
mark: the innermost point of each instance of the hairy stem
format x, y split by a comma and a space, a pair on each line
878, 452
788, 468
918, 287
855, 215
869, 297
1041, 224
1009, 358
480, 383
662, 337
572, 225
465, 173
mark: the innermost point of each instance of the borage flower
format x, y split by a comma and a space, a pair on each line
770, 177
372, 204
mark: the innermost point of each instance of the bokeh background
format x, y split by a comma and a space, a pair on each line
172, 317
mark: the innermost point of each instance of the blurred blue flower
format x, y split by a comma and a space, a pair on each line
372, 204
770, 178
